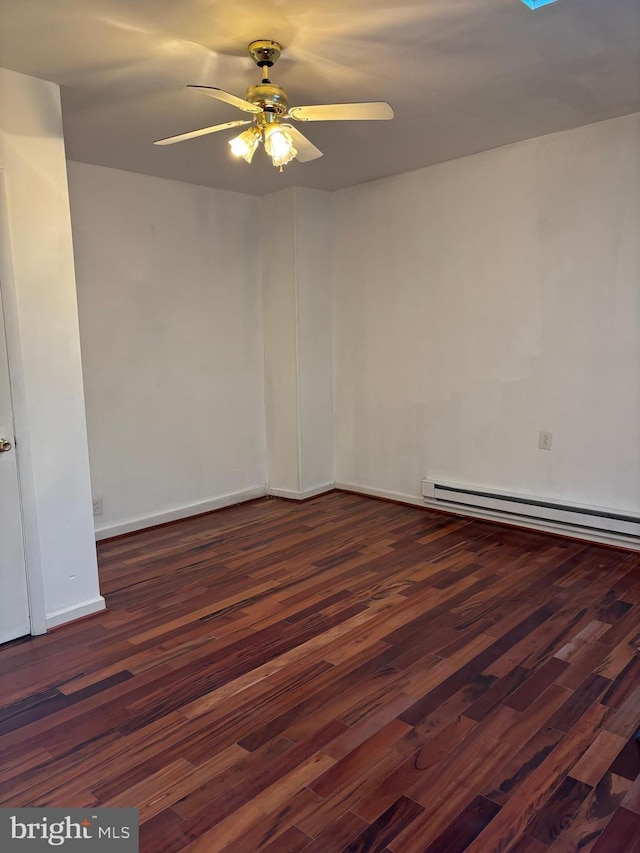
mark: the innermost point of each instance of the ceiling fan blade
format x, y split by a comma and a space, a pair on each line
227, 97
202, 132
374, 110
306, 149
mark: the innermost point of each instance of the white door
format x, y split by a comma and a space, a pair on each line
14, 602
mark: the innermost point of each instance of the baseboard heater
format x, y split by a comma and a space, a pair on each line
535, 510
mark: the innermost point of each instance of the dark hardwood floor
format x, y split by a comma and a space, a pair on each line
341, 675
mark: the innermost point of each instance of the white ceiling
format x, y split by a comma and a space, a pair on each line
462, 76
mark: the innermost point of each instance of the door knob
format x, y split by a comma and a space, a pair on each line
5, 445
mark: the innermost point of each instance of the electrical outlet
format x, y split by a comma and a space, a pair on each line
544, 440
97, 506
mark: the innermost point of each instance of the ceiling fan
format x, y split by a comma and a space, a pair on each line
269, 105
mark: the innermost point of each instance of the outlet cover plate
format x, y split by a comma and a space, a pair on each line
544, 440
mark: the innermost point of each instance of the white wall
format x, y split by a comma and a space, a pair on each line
314, 271
38, 288
476, 303
482, 300
297, 281
278, 240
169, 294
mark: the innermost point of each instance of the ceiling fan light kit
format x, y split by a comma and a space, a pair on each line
269, 105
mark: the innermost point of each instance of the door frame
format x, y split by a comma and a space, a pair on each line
23, 450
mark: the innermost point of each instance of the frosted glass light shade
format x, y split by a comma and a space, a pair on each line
245, 145
278, 144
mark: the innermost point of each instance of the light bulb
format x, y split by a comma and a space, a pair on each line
245, 145
278, 144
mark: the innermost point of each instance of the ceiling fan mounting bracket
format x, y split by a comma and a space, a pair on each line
264, 52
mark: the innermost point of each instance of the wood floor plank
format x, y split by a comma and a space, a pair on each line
523, 807
624, 720
397, 817
620, 835
558, 811
350, 793
412, 769
171, 783
343, 674
277, 829
627, 761
514, 772
338, 834
583, 829
586, 663
292, 840
439, 789
465, 827
631, 801
359, 757
536, 684
525, 844
596, 760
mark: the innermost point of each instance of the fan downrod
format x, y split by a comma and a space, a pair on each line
270, 97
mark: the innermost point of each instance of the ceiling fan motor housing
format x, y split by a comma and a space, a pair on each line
269, 96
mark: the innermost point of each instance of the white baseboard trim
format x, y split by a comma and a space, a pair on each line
300, 496
381, 493
140, 522
70, 614
599, 537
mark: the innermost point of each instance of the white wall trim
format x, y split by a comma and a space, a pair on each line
140, 522
301, 496
296, 331
31, 532
70, 614
381, 493
567, 530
